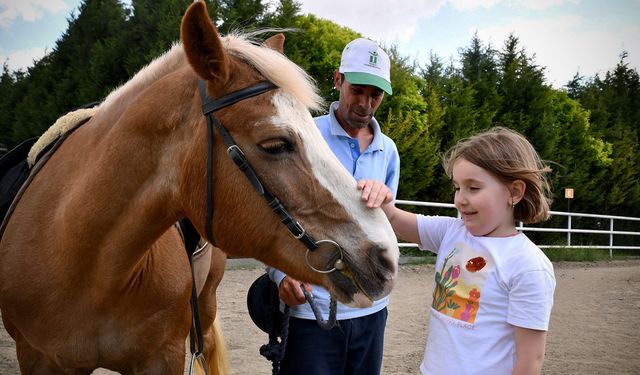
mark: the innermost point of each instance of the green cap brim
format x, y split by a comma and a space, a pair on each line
357, 78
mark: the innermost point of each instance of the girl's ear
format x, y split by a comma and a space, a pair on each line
517, 189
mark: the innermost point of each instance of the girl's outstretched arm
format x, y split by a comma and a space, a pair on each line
377, 194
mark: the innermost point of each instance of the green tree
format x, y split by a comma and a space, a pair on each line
317, 48
67, 77
412, 118
526, 105
286, 13
581, 159
151, 29
242, 15
7, 94
614, 104
479, 70
589, 131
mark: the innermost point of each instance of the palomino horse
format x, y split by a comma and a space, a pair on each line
92, 273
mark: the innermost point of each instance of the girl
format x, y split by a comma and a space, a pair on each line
493, 287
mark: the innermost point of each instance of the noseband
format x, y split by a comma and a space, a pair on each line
209, 107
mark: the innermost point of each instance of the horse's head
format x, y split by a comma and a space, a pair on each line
280, 140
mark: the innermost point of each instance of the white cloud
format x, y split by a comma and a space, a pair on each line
392, 21
567, 44
545, 4
28, 10
468, 5
564, 44
21, 59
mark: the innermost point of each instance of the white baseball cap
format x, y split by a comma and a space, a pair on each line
365, 63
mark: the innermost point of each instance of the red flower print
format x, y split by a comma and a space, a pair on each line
475, 264
474, 295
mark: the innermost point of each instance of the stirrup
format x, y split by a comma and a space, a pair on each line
198, 365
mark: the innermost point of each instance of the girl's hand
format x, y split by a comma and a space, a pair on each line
404, 223
374, 193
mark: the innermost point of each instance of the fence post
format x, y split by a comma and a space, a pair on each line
611, 238
569, 229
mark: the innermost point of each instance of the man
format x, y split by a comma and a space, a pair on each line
353, 134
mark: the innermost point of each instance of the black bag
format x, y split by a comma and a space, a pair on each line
264, 305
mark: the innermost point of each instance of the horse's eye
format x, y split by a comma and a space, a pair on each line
276, 146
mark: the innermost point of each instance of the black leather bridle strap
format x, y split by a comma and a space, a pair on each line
209, 215
208, 108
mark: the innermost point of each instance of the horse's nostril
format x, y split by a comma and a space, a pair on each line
383, 259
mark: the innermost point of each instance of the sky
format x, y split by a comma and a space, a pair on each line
565, 36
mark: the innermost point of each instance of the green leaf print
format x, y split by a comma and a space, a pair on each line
444, 283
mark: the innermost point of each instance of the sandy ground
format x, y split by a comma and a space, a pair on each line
592, 324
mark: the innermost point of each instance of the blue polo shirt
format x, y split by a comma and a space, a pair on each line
380, 161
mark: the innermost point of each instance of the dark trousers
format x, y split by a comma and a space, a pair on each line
352, 348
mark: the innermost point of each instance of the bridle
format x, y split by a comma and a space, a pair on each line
209, 107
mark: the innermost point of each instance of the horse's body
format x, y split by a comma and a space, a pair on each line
92, 271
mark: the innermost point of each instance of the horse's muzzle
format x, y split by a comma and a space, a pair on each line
363, 279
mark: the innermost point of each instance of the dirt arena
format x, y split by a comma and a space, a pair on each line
592, 323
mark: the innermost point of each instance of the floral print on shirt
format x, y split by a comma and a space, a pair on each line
457, 291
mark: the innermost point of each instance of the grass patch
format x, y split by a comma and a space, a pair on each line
414, 252
584, 255
413, 255
418, 260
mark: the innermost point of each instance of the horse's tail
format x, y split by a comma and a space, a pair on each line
219, 362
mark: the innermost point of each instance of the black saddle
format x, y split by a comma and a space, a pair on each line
14, 171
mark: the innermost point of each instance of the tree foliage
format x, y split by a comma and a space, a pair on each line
588, 131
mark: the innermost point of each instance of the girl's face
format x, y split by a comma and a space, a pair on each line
484, 202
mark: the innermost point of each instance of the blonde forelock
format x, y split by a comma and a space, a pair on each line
275, 67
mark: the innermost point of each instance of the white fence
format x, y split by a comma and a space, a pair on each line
611, 232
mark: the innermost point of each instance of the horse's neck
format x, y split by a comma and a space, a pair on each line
126, 192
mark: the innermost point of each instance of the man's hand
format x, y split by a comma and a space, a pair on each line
289, 291
374, 193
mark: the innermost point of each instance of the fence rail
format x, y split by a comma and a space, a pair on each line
569, 229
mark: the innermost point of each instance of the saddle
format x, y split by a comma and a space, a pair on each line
20, 165
14, 171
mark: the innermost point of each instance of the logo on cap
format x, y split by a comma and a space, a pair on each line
373, 59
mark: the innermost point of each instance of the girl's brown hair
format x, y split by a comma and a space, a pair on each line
509, 156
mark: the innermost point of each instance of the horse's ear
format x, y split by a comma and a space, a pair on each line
202, 45
276, 42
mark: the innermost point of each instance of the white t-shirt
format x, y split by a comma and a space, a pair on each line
484, 286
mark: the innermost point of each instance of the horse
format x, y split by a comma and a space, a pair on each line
93, 273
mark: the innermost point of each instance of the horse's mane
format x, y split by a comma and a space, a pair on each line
273, 65
161, 66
